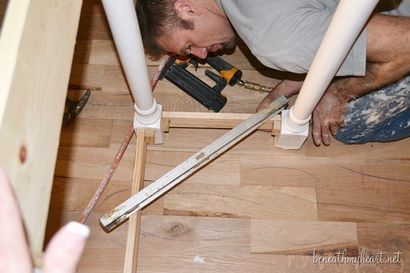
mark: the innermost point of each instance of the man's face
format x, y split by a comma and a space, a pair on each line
212, 32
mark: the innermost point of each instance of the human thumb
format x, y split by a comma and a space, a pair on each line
64, 251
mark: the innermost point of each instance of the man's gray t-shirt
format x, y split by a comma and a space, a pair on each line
286, 34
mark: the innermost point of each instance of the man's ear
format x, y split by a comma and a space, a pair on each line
186, 9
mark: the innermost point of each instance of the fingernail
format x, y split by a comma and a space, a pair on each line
79, 229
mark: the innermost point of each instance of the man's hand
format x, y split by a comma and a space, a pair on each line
388, 60
62, 253
328, 116
285, 88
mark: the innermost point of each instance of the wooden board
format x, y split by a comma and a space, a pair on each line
258, 143
210, 120
303, 237
134, 222
36, 51
250, 202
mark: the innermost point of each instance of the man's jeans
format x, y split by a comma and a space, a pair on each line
380, 116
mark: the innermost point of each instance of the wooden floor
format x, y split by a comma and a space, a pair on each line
256, 209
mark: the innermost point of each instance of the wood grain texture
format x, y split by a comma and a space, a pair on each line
222, 171
347, 190
87, 133
249, 202
381, 151
134, 222
92, 163
36, 50
73, 194
301, 170
211, 120
197, 244
87, 76
258, 143
303, 237
94, 28
103, 105
375, 237
366, 185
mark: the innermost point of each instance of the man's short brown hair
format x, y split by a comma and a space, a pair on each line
155, 18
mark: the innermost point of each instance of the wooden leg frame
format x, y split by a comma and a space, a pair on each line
174, 120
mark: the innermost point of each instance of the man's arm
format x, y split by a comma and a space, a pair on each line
388, 59
388, 56
285, 88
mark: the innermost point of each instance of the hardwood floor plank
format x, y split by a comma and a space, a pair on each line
73, 194
102, 105
82, 52
283, 203
222, 171
375, 237
266, 170
303, 237
92, 163
85, 76
397, 150
87, 133
92, 8
94, 27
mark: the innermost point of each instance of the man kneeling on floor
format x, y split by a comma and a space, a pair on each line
368, 100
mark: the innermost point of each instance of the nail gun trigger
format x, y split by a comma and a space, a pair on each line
194, 62
220, 82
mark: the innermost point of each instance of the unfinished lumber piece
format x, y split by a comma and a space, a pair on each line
131, 250
36, 52
210, 120
288, 203
303, 237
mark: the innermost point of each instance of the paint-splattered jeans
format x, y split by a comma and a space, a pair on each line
380, 116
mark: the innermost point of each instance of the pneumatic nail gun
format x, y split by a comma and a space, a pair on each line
175, 71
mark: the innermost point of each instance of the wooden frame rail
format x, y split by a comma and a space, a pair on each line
175, 120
